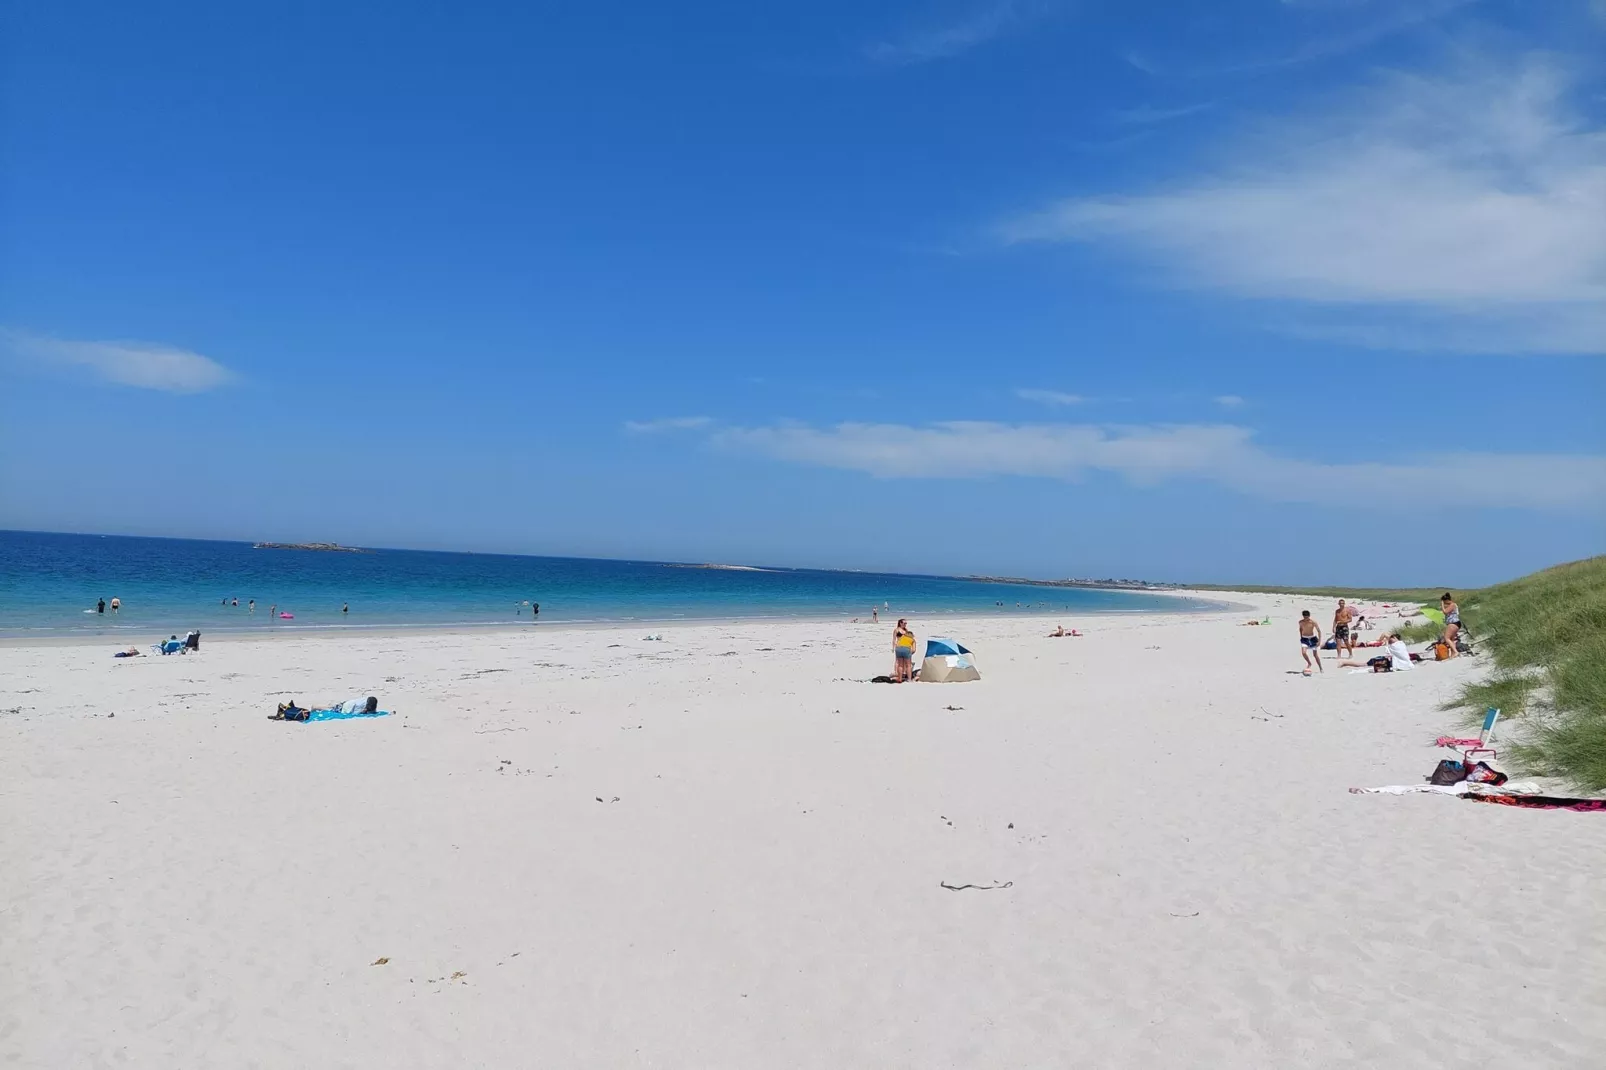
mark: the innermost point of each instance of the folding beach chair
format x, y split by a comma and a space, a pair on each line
1479, 745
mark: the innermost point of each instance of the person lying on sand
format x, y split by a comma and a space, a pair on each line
1397, 658
131, 652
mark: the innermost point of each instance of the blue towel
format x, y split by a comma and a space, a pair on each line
343, 715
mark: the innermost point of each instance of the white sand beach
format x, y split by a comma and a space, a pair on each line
578, 848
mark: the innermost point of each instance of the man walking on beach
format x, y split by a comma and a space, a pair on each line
1343, 643
1310, 642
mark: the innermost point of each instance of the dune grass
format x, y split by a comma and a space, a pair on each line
1421, 633
1546, 634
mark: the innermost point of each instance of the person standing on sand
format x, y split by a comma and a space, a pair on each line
1310, 641
1343, 644
1452, 622
903, 652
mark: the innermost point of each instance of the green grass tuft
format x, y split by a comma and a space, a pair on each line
1546, 634
1421, 633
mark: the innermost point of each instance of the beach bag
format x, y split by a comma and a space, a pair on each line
1481, 773
1441, 651
1382, 663
1449, 771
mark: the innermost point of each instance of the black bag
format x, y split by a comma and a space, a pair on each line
1449, 771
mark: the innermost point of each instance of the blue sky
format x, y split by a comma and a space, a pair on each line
1275, 290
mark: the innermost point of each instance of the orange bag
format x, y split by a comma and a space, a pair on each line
1441, 651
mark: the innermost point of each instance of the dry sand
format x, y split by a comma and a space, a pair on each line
188, 884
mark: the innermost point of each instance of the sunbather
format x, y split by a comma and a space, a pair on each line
289, 711
1397, 658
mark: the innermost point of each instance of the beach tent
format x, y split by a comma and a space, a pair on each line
948, 661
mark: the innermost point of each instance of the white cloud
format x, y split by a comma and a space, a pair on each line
1146, 455
1471, 207
949, 39
1049, 397
1148, 116
1229, 401
148, 365
670, 423
1399, 16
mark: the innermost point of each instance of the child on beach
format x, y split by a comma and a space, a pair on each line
1310, 641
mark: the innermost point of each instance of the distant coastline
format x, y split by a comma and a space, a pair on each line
724, 568
1096, 585
327, 547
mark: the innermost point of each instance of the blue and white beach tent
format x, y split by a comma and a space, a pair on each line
948, 661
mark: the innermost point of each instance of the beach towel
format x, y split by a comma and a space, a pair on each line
1540, 802
344, 715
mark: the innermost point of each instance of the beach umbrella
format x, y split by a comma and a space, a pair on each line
1434, 615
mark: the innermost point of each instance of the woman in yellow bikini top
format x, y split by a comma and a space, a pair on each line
903, 650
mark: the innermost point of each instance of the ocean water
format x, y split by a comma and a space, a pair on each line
50, 583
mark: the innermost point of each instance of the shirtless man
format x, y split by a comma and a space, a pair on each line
1343, 644
1310, 641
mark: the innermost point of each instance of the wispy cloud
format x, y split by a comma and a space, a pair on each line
1229, 401
1465, 207
1148, 455
668, 423
1149, 116
1049, 397
948, 39
1401, 16
1140, 62
1353, 25
148, 365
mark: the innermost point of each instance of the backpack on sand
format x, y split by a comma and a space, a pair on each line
1449, 771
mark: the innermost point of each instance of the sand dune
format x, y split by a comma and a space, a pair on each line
576, 848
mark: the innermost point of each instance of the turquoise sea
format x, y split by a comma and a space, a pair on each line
50, 585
